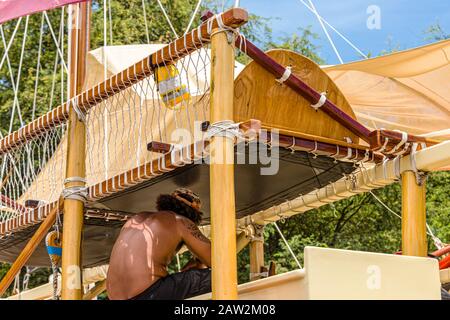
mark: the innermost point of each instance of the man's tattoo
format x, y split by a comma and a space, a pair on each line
194, 230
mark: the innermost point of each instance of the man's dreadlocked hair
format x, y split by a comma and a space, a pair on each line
169, 202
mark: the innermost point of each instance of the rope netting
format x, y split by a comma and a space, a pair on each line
30, 178
164, 107
162, 98
25, 68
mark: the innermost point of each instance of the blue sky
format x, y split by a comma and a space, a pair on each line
402, 22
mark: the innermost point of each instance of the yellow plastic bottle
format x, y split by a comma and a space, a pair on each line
173, 93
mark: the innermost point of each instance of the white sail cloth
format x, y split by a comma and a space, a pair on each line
407, 90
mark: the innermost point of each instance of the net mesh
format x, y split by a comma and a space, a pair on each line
165, 103
163, 107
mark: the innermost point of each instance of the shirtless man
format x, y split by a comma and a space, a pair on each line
147, 244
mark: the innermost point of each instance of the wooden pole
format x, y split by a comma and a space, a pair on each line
256, 254
414, 233
256, 259
30, 247
75, 168
223, 225
95, 291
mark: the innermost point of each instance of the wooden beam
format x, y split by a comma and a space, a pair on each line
71, 288
414, 233
379, 137
30, 247
242, 241
302, 88
338, 150
96, 290
223, 224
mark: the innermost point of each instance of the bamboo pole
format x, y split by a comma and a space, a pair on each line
414, 236
223, 225
73, 209
30, 247
256, 258
95, 291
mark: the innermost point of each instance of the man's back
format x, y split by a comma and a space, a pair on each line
145, 247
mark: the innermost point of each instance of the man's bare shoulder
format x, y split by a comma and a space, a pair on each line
191, 228
148, 216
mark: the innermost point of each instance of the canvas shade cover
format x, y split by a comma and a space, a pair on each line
11, 9
407, 90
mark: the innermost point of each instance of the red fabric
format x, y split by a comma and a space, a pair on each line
444, 263
11, 9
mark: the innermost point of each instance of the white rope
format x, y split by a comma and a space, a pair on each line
326, 32
288, 246
55, 66
79, 193
383, 147
321, 102
61, 55
193, 16
14, 83
167, 18
145, 22
286, 74
19, 71
105, 40
225, 128
437, 242
435, 133
335, 30
401, 143
10, 41
110, 23
62, 51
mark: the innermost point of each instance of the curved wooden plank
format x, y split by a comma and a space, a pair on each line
259, 96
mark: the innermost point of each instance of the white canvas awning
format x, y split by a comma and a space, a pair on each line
407, 90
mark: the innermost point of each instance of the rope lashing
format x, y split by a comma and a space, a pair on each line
401, 143
225, 128
321, 102
80, 114
79, 193
287, 73
420, 176
349, 149
383, 147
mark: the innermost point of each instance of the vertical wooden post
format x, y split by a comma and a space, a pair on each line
79, 15
223, 224
256, 259
414, 233
256, 252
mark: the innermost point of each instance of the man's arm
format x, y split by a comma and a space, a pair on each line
194, 263
194, 239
